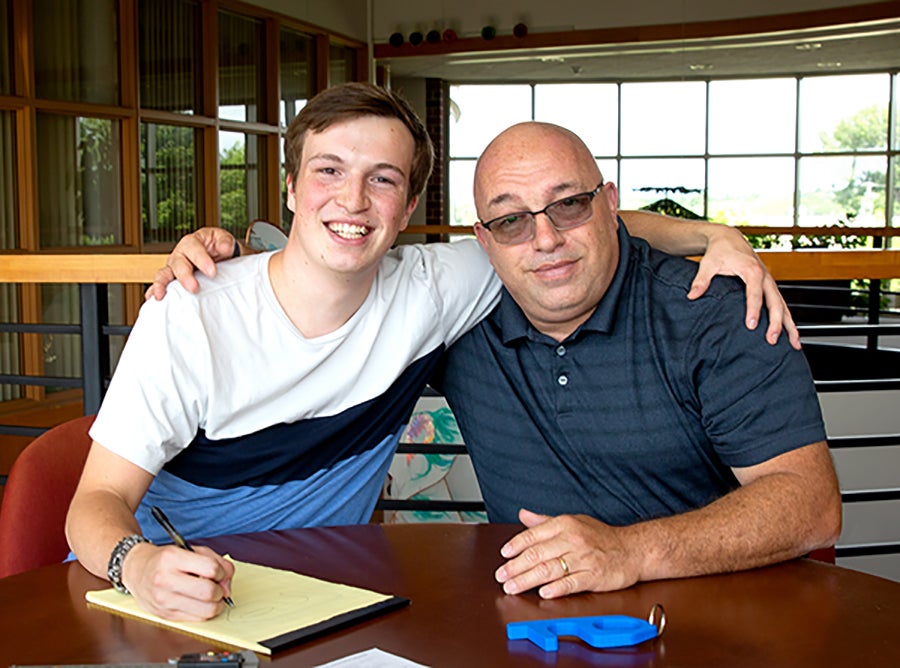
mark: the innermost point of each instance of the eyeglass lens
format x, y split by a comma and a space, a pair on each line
564, 214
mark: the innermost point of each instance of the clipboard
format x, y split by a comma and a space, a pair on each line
274, 609
294, 638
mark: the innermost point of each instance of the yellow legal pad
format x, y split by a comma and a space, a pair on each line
274, 609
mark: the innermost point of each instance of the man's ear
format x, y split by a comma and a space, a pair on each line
482, 234
409, 212
291, 202
611, 193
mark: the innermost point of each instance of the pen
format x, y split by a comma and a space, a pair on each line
177, 538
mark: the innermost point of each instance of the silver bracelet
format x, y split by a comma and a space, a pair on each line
114, 568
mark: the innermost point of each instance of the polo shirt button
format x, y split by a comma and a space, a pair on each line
563, 380
561, 350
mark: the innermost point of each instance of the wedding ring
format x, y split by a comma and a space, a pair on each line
565, 566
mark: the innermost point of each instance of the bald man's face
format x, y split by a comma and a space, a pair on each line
558, 277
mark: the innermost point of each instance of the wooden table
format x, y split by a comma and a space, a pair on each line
801, 613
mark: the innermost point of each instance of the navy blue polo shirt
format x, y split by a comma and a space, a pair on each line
641, 412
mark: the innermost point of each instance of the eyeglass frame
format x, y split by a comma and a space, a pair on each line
591, 194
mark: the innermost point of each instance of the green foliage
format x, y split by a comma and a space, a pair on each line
824, 240
98, 240
233, 190
859, 295
172, 175
866, 129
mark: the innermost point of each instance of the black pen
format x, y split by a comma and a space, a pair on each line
177, 538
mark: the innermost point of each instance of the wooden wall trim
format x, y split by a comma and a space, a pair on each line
134, 268
113, 268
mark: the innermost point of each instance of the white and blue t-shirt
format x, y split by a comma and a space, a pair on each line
249, 426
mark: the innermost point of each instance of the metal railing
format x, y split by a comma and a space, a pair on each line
95, 331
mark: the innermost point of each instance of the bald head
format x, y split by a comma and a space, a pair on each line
529, 146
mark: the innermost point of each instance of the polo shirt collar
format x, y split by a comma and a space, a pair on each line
514, 325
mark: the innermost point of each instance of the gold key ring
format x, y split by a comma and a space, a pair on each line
658, 610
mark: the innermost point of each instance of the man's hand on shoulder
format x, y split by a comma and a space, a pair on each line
729, 254
199, 250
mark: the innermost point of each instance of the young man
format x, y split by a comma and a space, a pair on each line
275, 396
654, 436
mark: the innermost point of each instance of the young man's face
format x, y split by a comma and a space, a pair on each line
351, 196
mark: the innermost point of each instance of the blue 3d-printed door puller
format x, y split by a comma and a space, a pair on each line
602, 631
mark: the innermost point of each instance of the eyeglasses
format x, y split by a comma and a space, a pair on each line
564, 214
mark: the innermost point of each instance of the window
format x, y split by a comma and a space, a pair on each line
6, 43
168, 184
296, 88
7, 181
779, 152
79, 181
75, 50
114, 143
752, 116
296, 74
168, 55
478, 113
341, 64
239, 181
240, 67
663, 118
565, 104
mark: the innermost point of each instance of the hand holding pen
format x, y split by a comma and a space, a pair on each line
178, 539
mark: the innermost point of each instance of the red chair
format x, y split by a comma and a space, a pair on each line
37, 496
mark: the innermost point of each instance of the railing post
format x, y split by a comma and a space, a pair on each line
874, 315
94, 346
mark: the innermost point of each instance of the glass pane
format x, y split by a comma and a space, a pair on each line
462, 206
62, 352
168, 182
341, 64
752, 116
7, 181
844, 113
75, 50
842, 190
9, 341
240, 195
609, 170
240, 67
287, 216
480, 113
6, 42
895, 214
168, 58
79, 182
589, 110
751, 191
296, 73
115, 304
664, 118
661, 183
896, 98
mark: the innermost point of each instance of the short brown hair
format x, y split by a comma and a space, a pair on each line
352, 100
